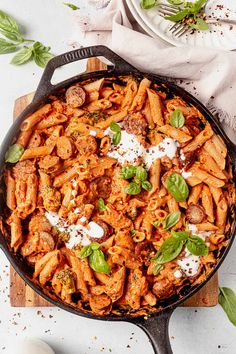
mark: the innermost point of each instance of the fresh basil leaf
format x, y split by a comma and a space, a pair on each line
227, 299
147, 186
72, 6
24, 55
148, 4
116, 138
177, 187
115, 127
177, 119
181, 235
157, 268
128, 172
178, 16
171, 220
157, 223
175, 2
42, 58
132, 188
197, 6
200, 25
101, 205
169, 250
95, 245
141, 173
86, 251
197, 246
98, 263
7, 23
6, 47
14, 153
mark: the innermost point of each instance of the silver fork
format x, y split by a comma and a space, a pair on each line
178, 28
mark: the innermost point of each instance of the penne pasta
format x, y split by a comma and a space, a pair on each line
155, 107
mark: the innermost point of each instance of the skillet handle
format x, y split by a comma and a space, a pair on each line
157, 330
45, 84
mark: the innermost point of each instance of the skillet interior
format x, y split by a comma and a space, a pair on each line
20, 265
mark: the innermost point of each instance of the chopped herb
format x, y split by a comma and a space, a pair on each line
71, 6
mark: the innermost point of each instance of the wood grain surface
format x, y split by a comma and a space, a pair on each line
21, 295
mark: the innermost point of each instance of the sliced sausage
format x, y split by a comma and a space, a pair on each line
86, 145
163, 289
108, 230
195, 214
103, 186
50, 163
65, 147
75, 96
135, 123
46, 241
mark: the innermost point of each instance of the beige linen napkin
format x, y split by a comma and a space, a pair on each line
208, 74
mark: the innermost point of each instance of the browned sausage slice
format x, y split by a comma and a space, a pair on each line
75, 96
103, 186
50, 163
86, 145
135, 123
163, 289
195, 214
65, 147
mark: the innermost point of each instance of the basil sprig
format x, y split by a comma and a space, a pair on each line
10, 29
190, 12
177, 187
172, 247
96, 257
227, 299
148, 4
116, 129
140, 181
177, 119
14, 153
101, 205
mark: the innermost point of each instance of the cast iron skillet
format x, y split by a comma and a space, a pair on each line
156, 325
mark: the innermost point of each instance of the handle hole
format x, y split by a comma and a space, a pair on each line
76, 68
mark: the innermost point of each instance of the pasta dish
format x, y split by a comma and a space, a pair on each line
118, 195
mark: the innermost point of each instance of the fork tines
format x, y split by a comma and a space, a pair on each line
178, 29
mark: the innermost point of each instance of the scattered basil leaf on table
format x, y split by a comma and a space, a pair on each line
227, 299
10, 29
141, 173
128, 172
14, 153
177, 119
24, 55
147, 186
98, 263
197, 246
71, 6
132, 188
177, 187
6, 47
171, 220
148, 4
169, 250
101, 205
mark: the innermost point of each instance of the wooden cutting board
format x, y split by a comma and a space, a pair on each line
21, 295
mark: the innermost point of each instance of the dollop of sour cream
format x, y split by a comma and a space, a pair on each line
79, 234
189, 264
130, 150
185, 174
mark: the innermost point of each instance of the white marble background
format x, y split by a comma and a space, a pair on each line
201, 331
